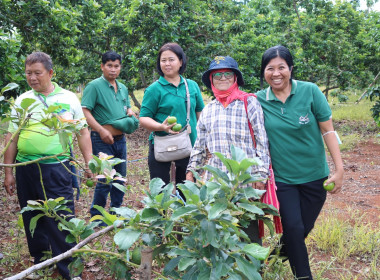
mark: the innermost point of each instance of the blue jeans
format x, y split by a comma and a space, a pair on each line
119, 150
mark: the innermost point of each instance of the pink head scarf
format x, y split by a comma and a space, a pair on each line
225, 97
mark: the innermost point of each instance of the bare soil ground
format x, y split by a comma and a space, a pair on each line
361, 192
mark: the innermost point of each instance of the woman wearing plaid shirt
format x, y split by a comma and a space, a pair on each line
223, 122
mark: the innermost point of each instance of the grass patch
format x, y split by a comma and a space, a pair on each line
350, 237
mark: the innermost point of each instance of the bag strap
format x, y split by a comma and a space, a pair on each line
188, 102
249, 122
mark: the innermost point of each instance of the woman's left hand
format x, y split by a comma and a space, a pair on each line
337, 178
259, 185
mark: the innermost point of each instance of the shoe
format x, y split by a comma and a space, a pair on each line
76, 278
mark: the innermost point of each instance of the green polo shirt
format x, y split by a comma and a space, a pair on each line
295, 140
162, 99
37, 140
105, 105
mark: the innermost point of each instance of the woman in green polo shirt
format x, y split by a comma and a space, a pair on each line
167, 97
298, 121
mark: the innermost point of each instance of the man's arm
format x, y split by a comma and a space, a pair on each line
104, 133
9, 158
85, 146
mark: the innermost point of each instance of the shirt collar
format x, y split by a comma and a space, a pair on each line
109, 84
270, 95
164, 82
56, 90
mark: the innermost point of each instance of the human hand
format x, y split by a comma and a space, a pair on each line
9, 183
130, 112
190, 176
106, 136
168, 127
337, 179
259, 185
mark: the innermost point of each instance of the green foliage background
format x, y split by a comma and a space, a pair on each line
334, 43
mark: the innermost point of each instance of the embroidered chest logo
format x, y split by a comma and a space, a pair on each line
304, 120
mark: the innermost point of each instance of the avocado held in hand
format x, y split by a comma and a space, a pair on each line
177, 127
328, 187
172, 120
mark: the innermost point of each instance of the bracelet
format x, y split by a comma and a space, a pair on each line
331, 131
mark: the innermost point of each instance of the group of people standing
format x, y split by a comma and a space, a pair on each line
290, 119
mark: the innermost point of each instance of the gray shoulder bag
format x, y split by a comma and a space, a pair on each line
175, 146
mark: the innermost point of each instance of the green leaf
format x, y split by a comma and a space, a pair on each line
183, 211
247, 162
253, 193
26, 102
184, 263
33, 223
126, 237
237, 153
150, 214
9, 86
217, 209
120, 187
171, 265
232, 165
256, 251
247, 269
251, 208
208, 233
168, 228
155, 186
217, 172
64, 139
125, 212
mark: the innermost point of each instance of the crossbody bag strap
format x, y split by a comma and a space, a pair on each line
249, 122
188, 102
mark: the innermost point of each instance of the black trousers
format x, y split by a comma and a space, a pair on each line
162, 169
300, 206
47, 237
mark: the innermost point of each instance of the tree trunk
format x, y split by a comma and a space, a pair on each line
146, 263
143, 80
298, 15
327, 87
137, 103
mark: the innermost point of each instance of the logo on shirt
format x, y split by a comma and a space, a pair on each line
304, 120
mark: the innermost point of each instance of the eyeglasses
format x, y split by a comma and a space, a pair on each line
227, 75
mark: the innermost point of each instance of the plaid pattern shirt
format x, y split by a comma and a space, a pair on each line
218, 128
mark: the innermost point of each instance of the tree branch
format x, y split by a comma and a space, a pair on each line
62, 256
364, 93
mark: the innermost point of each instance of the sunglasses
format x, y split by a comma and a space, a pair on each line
227, 75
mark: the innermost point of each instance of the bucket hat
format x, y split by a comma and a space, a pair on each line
222, 62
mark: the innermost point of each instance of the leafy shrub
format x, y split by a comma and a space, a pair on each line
200, 237
342, 98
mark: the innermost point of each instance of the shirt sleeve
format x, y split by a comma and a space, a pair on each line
78, 111
149, 104
320, 107
198, 153
89, 97
256, 117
